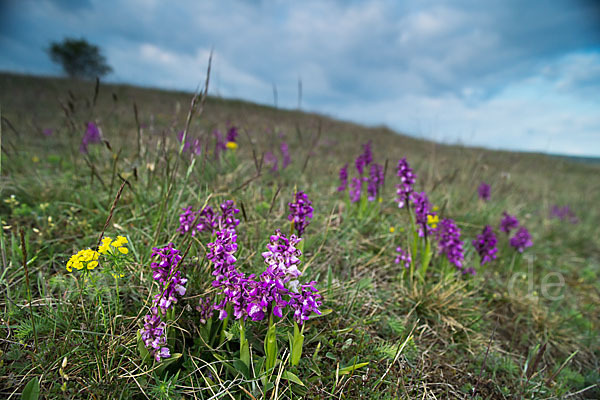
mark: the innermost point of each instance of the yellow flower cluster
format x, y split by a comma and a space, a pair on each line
119, 244
432, 220
231, 145
87, 258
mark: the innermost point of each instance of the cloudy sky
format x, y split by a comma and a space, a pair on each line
510, 74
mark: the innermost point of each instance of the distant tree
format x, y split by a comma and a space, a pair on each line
79, 59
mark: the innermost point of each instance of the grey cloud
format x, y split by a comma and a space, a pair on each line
419, 66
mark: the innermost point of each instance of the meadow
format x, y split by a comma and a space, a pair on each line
96, 176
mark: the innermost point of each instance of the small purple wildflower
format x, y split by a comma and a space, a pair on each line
375, 181
367, 153
563, 213
234, 286
359, 163
508, 223
165, 272
407, 179
228, 281
355, 189
263, 295
206, 309
172, 286
305, 302
282, 256
221, 251
485, 245
484, 191
521, 240
364, 159
48, 131
422, 208
194, 146
267, 293
232, 134
301, 212
207, 219
168, 258
197, 147
227, 218
92, 136
285, 154
92, 133
276, 287
403, 256
187, 145
556, 212
186, 219
271, 159
280, 281
154, 335
220, 144
343, 178
449, 243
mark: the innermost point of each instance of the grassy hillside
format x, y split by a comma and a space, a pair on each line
524, 326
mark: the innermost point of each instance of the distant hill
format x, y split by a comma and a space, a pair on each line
587, 160
25, 98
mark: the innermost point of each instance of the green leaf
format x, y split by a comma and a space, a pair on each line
426, 257
316, 353
350, 368
296, 343
300, 247
144, 353
224, 362
244, 346
166, 362
241, 367
289, 376
271, 347
415, 240
323, 313
315, 368
245, 352
31, 390
190, 168
268, 386
364, 283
